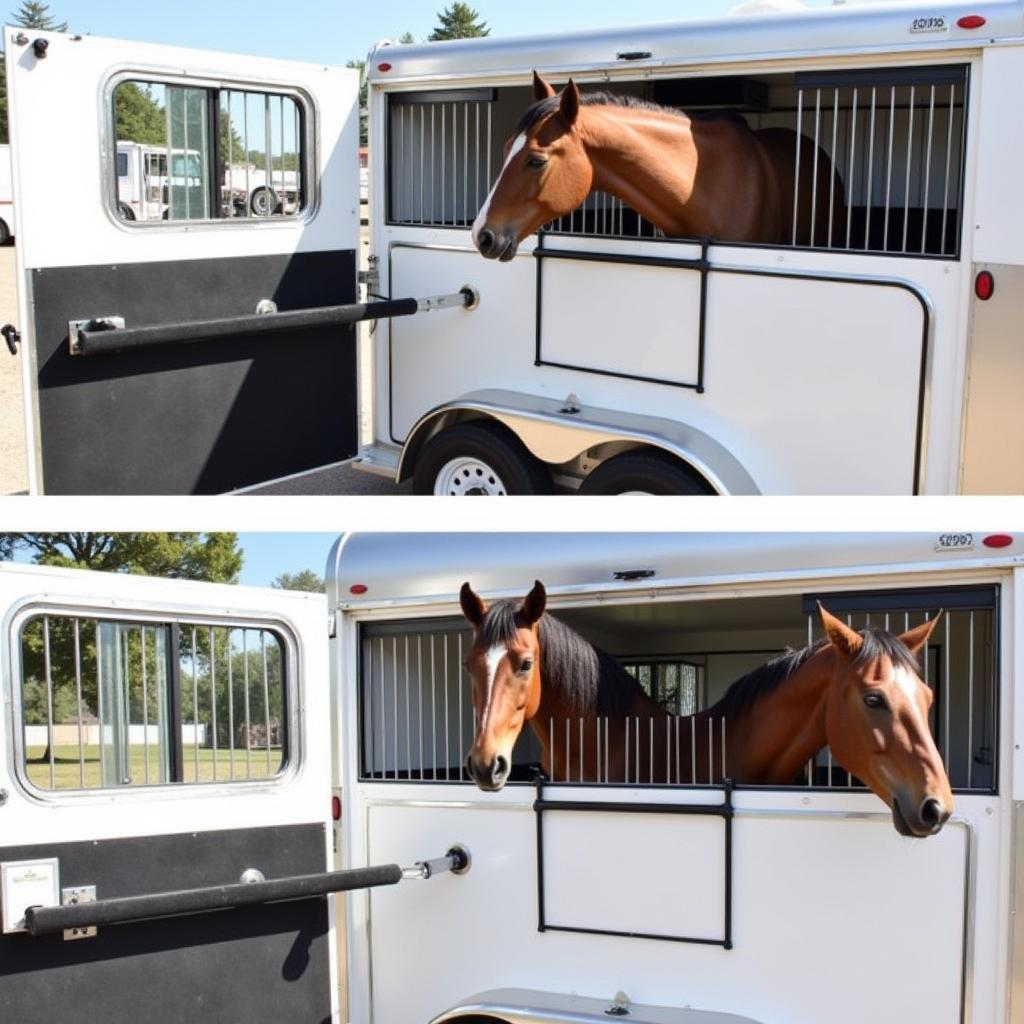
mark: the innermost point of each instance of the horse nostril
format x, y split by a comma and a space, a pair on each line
933, 813
486, 241
499, 769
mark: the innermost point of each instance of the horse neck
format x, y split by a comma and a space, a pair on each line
648, 160
774, 736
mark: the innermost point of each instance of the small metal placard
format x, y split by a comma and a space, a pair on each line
935, 23
955, 542
78, 894
27, 883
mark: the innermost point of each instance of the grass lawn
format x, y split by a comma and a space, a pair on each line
68, 772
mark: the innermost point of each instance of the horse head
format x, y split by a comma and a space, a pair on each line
504, 666
547, 173
876, 722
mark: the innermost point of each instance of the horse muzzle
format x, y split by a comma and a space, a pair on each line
496, 245
925, 820
490, 778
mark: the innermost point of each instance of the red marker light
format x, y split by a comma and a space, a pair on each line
385, 67
358, 588
984, 285
336, 808
998, 540
970, 21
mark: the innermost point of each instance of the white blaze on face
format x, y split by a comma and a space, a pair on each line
907, 682
492, 659
481, 217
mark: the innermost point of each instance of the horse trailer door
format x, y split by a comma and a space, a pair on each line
162, 741
172, 188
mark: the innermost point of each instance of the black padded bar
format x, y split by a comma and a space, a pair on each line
121, 910
114, 340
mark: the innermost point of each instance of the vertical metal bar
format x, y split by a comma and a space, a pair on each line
668, 750
650, 750
145, 704
970, 699
126, 695
398, 172
814, 157
828, 783
888, 168
49, 699
906, 180
229, 650
693, 750
248, 718
636, 722
476, 173
78, 703
266, 678
383, 711
213, 697
581, 748
945, 692
607, 741
832, 163
597, 748
852, 157
465, 163
447, 710
871, 171
419, 703
433, 157
248, 212
927, 169
723, 747
423, 157
551, 745
195, 707
433, 708
568, 751
444, 146
268, 163
626, 762
796, 171
408, 715
394, 695
679, 778
284, 209
711, 750
945, 186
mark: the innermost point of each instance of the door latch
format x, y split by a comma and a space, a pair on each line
73, 895
12, 336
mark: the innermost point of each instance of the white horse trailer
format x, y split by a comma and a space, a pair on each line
219, 740
882, 362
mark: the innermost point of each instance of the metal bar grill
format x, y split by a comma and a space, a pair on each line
104, 702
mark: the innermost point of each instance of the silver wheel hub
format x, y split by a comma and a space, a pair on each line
468, 476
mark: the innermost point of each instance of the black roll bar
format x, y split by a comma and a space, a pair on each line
109, 335
126, 909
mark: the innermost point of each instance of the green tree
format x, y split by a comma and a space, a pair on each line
138, 116
406, 38
305, 580
459, 21
361, 66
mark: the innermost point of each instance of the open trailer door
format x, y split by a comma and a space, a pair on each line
167, 187
198, 758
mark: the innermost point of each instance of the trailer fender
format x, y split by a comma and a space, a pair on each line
557, 432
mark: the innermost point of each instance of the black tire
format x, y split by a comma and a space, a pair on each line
513, 470
263, 202
643, 471
125, 212
5, 233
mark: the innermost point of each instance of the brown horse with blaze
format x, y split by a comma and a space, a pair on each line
858, 692
692, 177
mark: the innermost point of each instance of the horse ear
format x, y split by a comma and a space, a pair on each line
914, 639
541, 90
534, 602
570, 105
472, 605
845, 640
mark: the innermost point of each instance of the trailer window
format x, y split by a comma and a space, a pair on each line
187, 153
417, 714
895, 139
111, 703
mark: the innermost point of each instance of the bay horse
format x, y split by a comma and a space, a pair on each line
692, 177
858, 692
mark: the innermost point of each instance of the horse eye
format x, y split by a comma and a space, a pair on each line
536, 161
875, 700
526, 665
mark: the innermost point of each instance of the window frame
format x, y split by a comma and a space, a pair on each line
310, 133
149, 614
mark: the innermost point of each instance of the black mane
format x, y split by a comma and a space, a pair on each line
766, 679
593, 682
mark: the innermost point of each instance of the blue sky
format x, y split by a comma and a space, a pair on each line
331, 33
268, 555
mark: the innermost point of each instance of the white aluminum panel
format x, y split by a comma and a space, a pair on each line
814, 896
59, 180
998, 201
648, 319
299, 797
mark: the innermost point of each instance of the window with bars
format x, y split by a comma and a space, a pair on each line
417, 713
190, 153
111, 703
896, 138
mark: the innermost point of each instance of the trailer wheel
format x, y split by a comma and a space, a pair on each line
643, 472
5, 233
263, 202
479, 458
